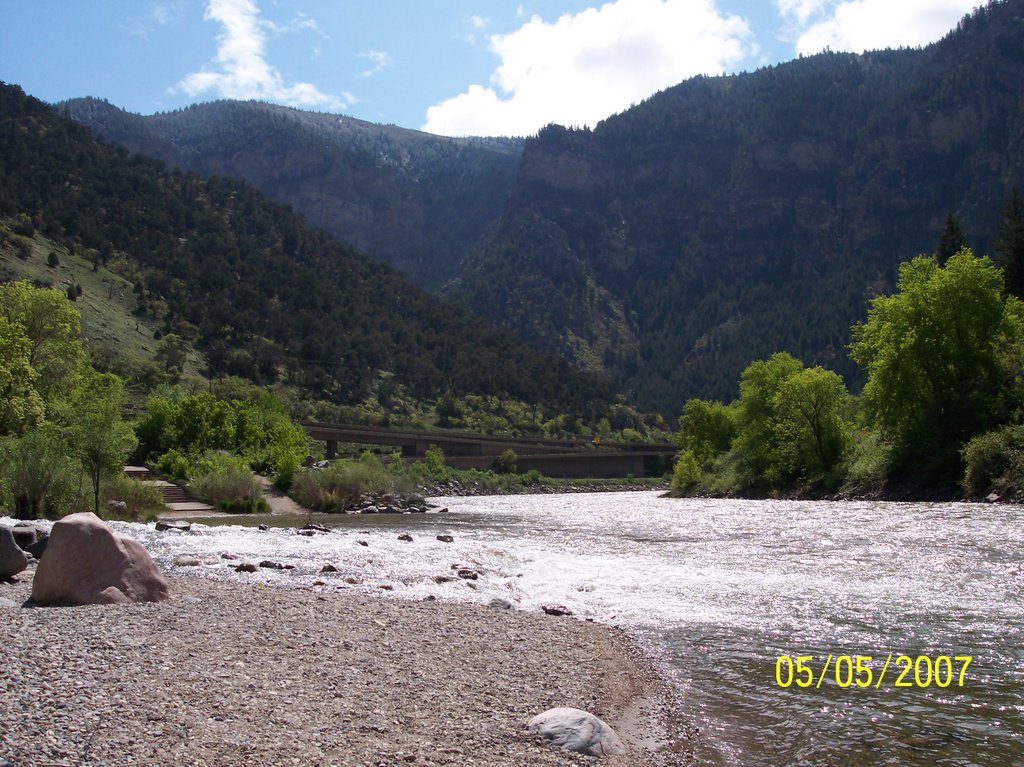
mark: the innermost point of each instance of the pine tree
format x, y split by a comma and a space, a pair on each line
951, 241
1009, 245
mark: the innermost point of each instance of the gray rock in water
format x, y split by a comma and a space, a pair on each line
576, 730
12, 559
184, 561
181, 527
556, 609
500, 604
446, 538
246, 567
405, 537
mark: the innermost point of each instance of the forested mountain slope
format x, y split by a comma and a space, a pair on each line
417, 201
731, 217
264, 295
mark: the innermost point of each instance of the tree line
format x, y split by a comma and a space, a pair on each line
943, 359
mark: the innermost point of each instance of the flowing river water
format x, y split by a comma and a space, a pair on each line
718, 590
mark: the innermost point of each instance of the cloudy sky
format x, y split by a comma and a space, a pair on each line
457, 67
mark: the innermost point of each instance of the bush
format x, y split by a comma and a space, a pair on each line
226, 481
870, 462
506, 462
174, 464
687, 473
343, 484
994, 462
143, 500
37, 477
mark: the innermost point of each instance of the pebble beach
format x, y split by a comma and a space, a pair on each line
228, 673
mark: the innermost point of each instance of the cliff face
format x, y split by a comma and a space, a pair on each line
419, 202
728, 218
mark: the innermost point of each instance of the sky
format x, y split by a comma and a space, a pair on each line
452, 67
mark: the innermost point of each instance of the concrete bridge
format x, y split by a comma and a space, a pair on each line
464, 450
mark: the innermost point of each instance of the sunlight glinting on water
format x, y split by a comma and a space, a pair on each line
717, 591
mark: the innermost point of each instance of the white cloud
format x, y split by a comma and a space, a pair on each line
380, 60
479, 22
585, 67
160, 14
862, 25
241, 70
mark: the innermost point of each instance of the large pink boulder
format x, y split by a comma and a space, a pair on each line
87, 563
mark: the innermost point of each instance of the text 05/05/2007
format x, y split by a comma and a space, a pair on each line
862, 671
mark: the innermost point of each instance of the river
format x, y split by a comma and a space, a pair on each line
718, 590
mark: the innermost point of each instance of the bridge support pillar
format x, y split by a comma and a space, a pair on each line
332, 449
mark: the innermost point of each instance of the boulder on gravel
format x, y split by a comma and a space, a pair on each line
576, 730
26, 533
86, 562
12, 559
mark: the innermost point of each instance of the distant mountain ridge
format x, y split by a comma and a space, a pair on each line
264, 295
418, 201
721, 220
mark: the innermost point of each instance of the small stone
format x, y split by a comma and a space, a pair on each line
500, 604
263, 528
185, 562
352, 581
446, 538
181, 527
556, 609
269, 565
405, 537
363, 543
467, 575
328, 569
246, 567
441, 579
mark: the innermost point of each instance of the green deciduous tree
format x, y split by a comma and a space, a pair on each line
706, 428
97, 435
942, 355
20, 402
757, 439
51, 325
812, 432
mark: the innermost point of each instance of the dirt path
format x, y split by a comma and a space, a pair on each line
279, 502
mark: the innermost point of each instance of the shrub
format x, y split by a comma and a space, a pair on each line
343, 483
174, 464
225, 480
506, 462
994, 461
38, 478
869, 464
143, 500
687, 472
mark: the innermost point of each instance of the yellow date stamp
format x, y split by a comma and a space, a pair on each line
863, 671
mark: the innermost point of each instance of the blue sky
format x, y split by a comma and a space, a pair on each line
458, 67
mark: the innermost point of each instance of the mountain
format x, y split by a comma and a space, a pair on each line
417, 201
727, 218
720, 221
262, 294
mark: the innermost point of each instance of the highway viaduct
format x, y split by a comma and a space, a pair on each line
464, 450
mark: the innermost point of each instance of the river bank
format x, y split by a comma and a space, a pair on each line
232, 673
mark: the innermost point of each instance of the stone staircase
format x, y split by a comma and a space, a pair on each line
176, 499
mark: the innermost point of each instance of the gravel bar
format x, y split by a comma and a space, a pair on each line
238, 674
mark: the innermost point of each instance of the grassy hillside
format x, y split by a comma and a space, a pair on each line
110, 327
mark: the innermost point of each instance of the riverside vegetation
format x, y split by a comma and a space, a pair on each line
943, 357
